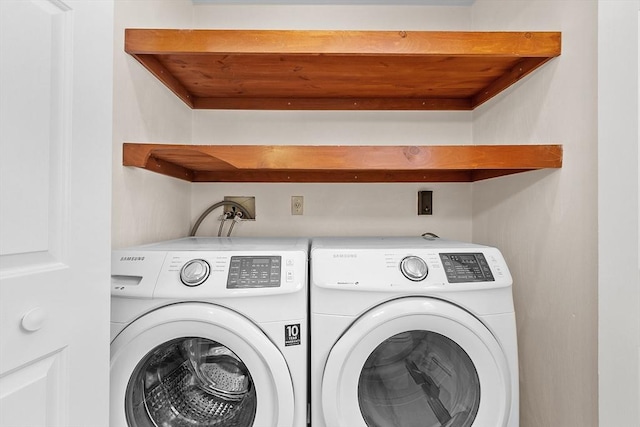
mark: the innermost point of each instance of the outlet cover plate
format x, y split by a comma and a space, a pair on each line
297, 205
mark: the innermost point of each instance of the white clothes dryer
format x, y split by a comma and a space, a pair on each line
411, 332
210, 332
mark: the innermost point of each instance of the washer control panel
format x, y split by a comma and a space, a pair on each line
254, 272
204, 267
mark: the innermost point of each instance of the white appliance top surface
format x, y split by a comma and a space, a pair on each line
275, 244
389, 243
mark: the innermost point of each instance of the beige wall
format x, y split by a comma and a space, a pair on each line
546, 222
146, 207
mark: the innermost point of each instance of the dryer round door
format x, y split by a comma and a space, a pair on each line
416, 362
195, 364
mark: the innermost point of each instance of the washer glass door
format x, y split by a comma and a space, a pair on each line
190, 382
197, 364
419, 378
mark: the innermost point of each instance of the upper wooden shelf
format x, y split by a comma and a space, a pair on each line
298, 163
339, 70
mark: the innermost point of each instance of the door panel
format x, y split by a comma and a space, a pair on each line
39, 381
55, 148
35, 117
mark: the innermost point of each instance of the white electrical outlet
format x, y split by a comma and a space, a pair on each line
297, 205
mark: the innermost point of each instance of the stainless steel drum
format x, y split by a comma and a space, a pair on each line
191, 382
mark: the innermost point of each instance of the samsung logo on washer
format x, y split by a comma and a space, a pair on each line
345, 255
132, 258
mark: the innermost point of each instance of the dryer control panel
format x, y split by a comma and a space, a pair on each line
466, 267
406, 264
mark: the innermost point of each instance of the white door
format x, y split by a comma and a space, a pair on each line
416, 362
195, 364
55, 149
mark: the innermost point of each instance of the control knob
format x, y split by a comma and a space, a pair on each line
414, 268
195, 272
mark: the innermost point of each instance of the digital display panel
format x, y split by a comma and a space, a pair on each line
254, 272
466, 267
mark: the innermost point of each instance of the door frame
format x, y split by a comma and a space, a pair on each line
618, 213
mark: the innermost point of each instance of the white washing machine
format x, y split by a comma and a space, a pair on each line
411, 332
210, 332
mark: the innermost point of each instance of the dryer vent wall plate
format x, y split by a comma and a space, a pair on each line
425, 202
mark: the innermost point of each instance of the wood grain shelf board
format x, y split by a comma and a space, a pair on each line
339, 70
299, 163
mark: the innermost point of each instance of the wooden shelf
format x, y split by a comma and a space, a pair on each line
284, 163
339, 70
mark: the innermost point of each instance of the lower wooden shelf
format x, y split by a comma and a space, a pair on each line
305, 163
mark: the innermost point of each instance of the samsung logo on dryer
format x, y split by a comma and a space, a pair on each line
132, 258
345, 255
